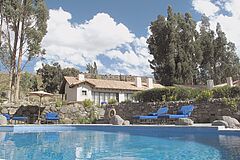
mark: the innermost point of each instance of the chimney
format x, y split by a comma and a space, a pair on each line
229, 81
150, 83
138, 82
210, 84
81, 77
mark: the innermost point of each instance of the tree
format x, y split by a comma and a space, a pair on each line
52, 76
182, 55
70, 72
29, 82
174, 49
26, 25
207, 47
219, 56
162, 46
92, 69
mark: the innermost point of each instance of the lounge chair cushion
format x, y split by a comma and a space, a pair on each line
7, 116
177, 116
18, 118
159, 114
52, 116
145, 117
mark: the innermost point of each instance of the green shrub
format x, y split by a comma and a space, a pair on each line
204, 95
166, 94
87, 103
221, 92
226, 92
234, 92
112, 101
231, 102
180, 93
58, 103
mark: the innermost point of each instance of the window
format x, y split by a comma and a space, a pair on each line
96, 97
84, 93
125, 96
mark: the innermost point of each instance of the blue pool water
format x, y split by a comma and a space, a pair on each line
100, 145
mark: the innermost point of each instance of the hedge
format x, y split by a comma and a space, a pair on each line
183, 94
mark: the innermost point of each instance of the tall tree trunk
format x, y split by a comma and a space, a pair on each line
13, 60
20, 54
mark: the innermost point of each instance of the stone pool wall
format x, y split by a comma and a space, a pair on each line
71, 113
204, 112
75, 113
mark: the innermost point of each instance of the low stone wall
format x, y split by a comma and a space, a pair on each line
72, 113
205, 112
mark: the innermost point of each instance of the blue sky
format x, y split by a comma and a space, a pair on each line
135, 14
113, 33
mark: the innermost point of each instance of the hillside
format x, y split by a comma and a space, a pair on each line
3, 81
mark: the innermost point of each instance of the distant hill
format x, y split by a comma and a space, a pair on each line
4, 78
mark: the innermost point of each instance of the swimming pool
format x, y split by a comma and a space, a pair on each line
117, 143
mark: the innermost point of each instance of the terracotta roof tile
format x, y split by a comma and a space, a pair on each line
110, 84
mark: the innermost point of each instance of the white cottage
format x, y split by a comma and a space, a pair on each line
99, 90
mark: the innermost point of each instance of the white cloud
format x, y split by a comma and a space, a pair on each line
228, 16
79, 44
205, 7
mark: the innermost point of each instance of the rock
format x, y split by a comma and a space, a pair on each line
64, 110
232, 122
116, 120
220, 123
4, 110
67, 121
126, 123
74, 109
53, 109
3, 120
12, 111
184, 121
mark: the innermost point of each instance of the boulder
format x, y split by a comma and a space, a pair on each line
232, 122
3, 120
67, 121
116, 120
53, 109
4, 110
12, 111
64, 110
184, 121
126, 123
220, 123
74, 109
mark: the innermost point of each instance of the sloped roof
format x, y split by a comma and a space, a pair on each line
109, 84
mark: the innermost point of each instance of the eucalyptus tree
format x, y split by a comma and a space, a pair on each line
182, 55
207, 47
162, 45
25, 25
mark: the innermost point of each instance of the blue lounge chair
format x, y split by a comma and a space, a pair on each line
184, 112
20, 119
52, 116
7, 116
162, 112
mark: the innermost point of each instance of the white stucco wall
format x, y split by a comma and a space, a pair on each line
71, 93
121, 96
84, 87
75, 93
